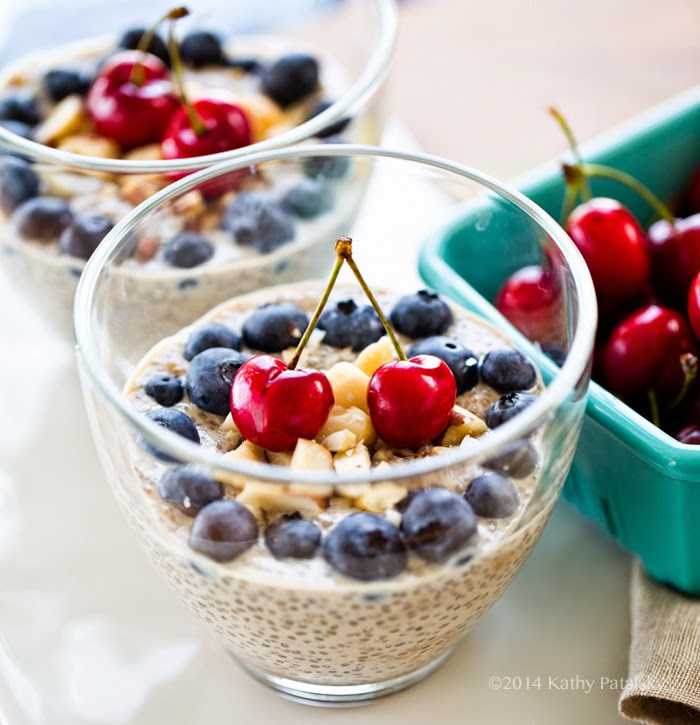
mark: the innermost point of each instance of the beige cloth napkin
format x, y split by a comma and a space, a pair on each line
664, 667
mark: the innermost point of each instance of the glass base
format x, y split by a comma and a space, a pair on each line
341, 695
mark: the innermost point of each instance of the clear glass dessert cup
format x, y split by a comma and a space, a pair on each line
353, 42
299, 626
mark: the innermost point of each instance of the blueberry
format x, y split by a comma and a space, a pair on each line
213, 334
42, 217
492, 496
187, 250
348, 325
84, 234
459, 359
257, 219
189, 490
366, 546
327, 167
249, 65
555, 352
309, 198
335, 128
275, 327
421, 314
18, 183
201, 48
167, 390
290, 78
131, 39
209, 378
517, 460
60, 83
437, 522
223, 530
173, 420
20, 107
507, 407
292, 536
507, 370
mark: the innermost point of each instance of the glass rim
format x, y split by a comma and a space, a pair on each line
185, 451
347, 105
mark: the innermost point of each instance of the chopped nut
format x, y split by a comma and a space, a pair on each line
190, 205
67, 117
375, 355
381, 496
90, 144
341, 440
309, 455
146, 249
263, 114
277, 497
150, 152
356, 459
283, 458
393, 517
464, 423
349, 385
139, 187
353, 490
247, 451
348, 419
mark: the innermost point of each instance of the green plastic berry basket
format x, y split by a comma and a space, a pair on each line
636, 481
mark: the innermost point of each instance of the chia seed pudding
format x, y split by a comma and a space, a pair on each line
258, 229
293, 600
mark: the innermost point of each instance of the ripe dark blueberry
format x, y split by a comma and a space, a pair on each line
223, 530
43, 218
275, 327
437, 522
201, 48
20, 107
257, 219
292, 536
366, 546
290, 78
507, 370
309, 198
555, 352
347, 325
189, 490
492, 496
84, 234
210, 335
517, 460
335, 128
18, 183
210, 376
166, 390
176, 421
421, 314
327, 167
131, 39
248, 65
461, 360
507, 407
187, 250
60, 83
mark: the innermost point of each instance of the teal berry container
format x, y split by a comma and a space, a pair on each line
637, 482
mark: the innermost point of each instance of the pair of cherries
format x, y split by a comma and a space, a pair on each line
134, 101
273, 404
645, 351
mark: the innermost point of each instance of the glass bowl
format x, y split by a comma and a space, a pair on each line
298, 625
353, 42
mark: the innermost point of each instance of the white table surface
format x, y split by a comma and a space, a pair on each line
89, 634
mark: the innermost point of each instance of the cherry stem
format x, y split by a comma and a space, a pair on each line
138, 72
582, 182
606, 172
196, 121
654, 405
344, 248
291, 365
689, 365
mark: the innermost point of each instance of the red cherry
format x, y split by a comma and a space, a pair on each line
675, 256
644, 351
689, 435
132, 113
226, 127
531, 300
614, 247
691, 200
694, 305
273, 406
411, 401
